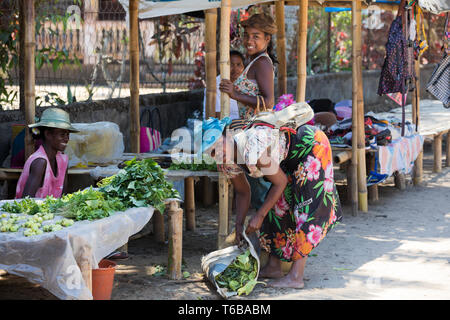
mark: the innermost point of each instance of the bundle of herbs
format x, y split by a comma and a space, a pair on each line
139, 184
241, 275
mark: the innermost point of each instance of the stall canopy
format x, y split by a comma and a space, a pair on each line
157, 8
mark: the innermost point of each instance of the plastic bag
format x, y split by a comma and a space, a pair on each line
96, 143
217, 261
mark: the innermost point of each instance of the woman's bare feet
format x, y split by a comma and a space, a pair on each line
287, 282
294, 279
272, 269
270, 272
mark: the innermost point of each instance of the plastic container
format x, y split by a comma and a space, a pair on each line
103, 279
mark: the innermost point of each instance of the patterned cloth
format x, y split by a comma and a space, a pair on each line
400, 154
309, 206
395, 68
249, 87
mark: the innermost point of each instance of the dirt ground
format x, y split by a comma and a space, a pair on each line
397, 250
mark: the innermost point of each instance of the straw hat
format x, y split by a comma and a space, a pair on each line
54, 118
262, 22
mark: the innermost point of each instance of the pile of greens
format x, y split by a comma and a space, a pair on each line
139, 184
240, 275
89, 204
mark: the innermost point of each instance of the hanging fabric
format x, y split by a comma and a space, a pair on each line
439, 83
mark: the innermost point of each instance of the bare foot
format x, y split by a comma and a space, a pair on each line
270, 272
287, 282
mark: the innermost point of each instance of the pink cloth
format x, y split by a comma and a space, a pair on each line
52, 185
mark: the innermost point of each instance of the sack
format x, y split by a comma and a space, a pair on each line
439, 83
217, 261
292, 116
150, 138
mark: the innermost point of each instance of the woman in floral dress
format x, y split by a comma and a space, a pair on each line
302, 204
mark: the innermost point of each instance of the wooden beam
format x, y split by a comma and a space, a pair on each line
418, 163
353, 167
357, 64
281, 48
189, 203
28, 12
134, 78
447, 150
175, 241
225, 12
301, 53
210, 61
437, 150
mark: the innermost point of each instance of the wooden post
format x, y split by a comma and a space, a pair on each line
225, 12
210, 61
223, 210
84, 263
281, 48
353, 167
158, 227
437, 150
134, 78
373, 190
400, 180
447, 150
357, 63
175, 241
208, 191
301, 53
189, 203
28, 12
418, 163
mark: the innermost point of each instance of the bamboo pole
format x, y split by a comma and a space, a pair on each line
210, 61
361, 151
175, 241
301, 53
134, 78
281, 48
28, 12
447, 150
342, 157
225, 12
418, 163
189, 203
437, 150
353, 167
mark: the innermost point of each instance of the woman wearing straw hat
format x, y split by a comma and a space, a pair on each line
45, 171
302, 204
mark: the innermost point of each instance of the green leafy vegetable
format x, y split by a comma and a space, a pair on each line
240, 275
139, 184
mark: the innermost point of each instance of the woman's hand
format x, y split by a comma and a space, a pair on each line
255, 223
228, 87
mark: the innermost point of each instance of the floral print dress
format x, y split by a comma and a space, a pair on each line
309, 206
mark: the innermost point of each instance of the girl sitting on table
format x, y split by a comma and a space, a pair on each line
45, 171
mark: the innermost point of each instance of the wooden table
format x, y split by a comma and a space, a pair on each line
175, 213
